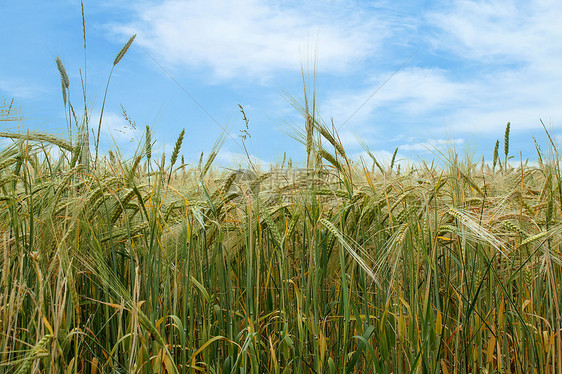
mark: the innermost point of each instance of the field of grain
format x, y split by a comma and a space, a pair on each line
146, 265
112, 264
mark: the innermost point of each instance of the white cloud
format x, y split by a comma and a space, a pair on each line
431, 144
255, 38
510, 30
230, 159
415, 91
517, 46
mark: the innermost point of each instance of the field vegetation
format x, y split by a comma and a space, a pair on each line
115, 264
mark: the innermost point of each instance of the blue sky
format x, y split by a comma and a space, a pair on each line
474, 66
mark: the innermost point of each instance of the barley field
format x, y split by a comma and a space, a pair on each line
145, 265
112, 264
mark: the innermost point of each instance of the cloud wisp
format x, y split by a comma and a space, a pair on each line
252, 38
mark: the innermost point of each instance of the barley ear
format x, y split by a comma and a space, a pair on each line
309, 137
123, 50
495, 159
37, 351
393, 158
177, 148
148, 144
63, 91
506, 140
83, 24
63, 75
506, 145
200, 162
549, 211
209, 162
163, 161
175, 153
